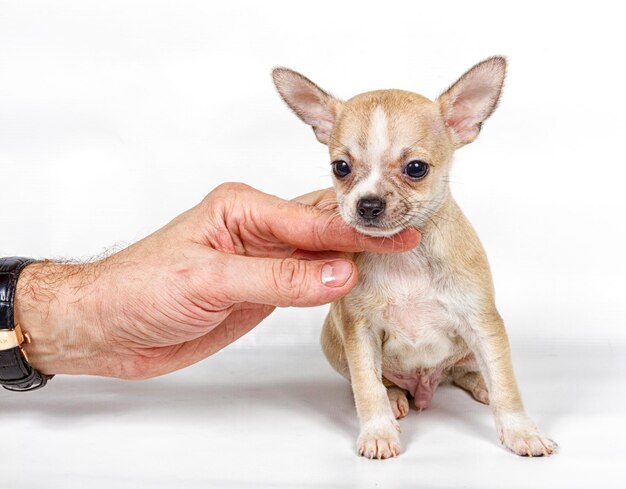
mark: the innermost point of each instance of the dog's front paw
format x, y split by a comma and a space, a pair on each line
522, 437
379, 439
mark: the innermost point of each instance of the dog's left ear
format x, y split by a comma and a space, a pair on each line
472, 99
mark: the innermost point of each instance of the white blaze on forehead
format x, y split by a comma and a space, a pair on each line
377, 137
377, 145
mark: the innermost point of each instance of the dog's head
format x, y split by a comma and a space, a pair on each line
391, 150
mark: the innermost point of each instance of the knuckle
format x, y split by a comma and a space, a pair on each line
290, 278
226, 190
311, 210
329, 230
232, 187
319, 237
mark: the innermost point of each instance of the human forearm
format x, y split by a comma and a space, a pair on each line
59, 308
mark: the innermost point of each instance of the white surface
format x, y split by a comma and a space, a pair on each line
115, 116
282, 418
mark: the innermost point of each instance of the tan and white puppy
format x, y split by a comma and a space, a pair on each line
426, 316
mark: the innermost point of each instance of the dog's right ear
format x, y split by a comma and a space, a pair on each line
310, 103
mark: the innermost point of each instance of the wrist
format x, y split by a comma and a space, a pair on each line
56, 304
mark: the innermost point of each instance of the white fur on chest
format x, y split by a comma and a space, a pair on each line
400, 297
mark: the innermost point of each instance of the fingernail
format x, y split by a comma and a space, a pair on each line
336, 273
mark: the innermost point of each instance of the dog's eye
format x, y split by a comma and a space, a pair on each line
341, 168
416, 169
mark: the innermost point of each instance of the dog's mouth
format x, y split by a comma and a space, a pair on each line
378, 229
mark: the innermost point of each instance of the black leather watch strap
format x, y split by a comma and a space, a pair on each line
15, 372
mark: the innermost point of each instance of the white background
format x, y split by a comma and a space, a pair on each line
116, 116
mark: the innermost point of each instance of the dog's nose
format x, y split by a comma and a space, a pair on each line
370, 207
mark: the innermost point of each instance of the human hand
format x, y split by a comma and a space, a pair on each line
192, 287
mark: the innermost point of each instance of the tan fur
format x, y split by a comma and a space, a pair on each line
428, 315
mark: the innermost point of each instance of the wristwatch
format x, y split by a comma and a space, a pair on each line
16, 374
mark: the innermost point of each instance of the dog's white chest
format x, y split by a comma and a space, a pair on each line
398, 295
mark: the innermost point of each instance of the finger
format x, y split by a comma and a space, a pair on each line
325, 230
240, 321
230, 330
284, 282
252, 216
322, 255
314, 229
318, 198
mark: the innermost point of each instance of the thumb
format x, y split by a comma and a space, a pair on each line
286, 281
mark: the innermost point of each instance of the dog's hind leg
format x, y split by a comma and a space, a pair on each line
471, 381
397, 399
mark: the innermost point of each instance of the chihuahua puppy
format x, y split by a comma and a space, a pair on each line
427, 316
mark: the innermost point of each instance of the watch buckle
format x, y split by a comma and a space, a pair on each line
22, 337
